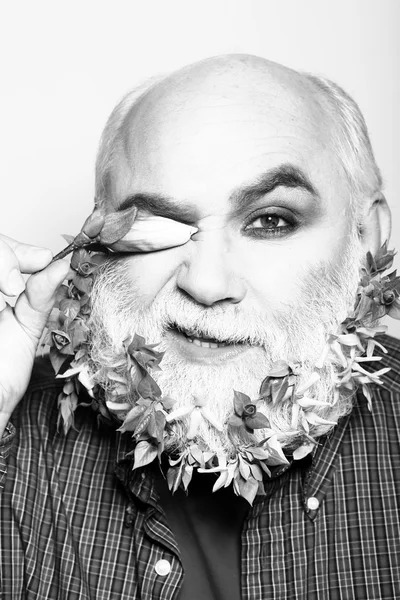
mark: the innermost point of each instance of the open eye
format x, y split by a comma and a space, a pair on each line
269, 224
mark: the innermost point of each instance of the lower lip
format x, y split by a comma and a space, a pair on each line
202, 353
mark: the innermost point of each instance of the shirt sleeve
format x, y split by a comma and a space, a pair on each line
5, 449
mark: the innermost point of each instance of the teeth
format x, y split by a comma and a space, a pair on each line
204, 344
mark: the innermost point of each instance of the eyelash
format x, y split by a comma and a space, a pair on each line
277, 231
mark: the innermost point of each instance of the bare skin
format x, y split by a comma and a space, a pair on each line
21, 327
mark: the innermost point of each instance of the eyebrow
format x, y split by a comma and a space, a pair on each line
286, 175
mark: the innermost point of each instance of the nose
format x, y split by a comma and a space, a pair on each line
209, 274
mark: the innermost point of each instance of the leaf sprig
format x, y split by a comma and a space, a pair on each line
135, 401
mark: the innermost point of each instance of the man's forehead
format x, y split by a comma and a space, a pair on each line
214, 92
217, 117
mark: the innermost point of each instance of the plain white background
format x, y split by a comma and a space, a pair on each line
64, 65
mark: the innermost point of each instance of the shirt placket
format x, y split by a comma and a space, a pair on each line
158, 562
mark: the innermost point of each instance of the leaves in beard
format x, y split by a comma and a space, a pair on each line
187, 476
174, 476
144, 353
67, 404
143, 423
156, 426
279, 368
70, 308
382, 260
57, 360
148, 388
131, 419
276, 455
144, 454
235, 421
246, 488
239, 402
259, 421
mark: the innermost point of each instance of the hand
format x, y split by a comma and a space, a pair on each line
21, 327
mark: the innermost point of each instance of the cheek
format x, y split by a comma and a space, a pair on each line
150, 272
276, 272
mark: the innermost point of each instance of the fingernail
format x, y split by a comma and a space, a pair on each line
40, 250
16, 282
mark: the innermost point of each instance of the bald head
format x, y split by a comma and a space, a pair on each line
209, 102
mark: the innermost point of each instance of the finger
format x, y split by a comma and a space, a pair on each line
30, 258
11, 281
33, 307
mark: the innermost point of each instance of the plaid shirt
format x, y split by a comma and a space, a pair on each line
78, 523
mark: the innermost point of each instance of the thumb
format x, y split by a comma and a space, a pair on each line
34, 305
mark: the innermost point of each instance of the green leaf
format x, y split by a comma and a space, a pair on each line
174, 477
57, 359
247, 489
259, 453
260, 421
394, 310
244, 468
117, 225
83, 284
239, 402
279, 388
187, 476
61, 294
277, 456
167, 402
265, 388
67, 405
302, 451
256, 472
144, 454
131, 418
279, 369
94, 223
235, 421
148, 388
265, 468
70, 308
221, 481
143, 423
197, 454
68, 238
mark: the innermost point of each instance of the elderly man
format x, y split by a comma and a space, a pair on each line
242, 198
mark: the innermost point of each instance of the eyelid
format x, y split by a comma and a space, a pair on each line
278, 211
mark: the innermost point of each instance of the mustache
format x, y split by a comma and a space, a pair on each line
227, 325
210, 333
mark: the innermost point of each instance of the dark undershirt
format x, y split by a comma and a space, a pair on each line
207, 527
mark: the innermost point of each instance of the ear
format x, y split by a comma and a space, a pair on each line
377, 224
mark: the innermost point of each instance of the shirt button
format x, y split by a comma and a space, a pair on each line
162, 567
312, 503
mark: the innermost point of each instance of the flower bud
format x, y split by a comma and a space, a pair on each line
93, 224
249, 410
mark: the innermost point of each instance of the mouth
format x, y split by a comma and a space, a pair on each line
201, 341
199, 347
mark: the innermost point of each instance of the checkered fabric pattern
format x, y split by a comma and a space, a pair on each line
78, 523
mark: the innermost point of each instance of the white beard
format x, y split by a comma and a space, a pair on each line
296, 335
